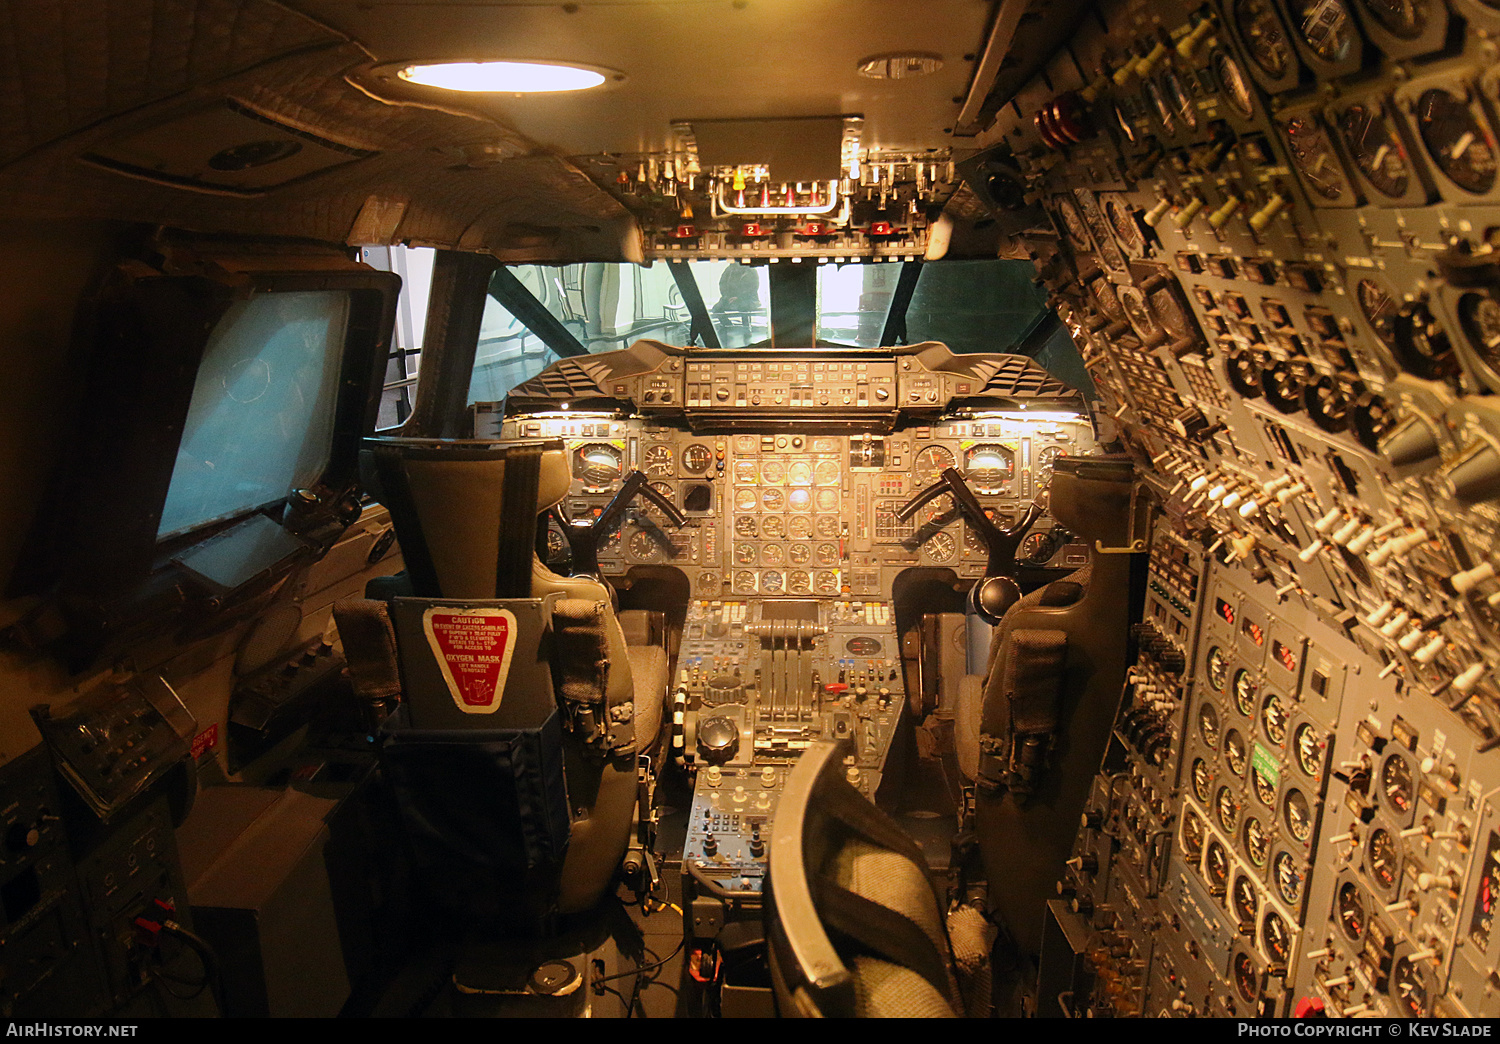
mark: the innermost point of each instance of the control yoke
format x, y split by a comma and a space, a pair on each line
997, 591
585, 535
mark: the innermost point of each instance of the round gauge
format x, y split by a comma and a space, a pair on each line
799, 554
798, 581
1409, 986
611, 543
799, 527
826, 581
1208, 725
1376, 150
1456, 142
708, 583
643, 546
746, 526
1078, 232
931, 462
1479, 316
1381, 858
1421, 343
1261, 30
1235, 84
746, 500
1307, 744
1273, 719
1349, 908
557, 546
770, 582
1236, 754
745, 471
1227, 810
1297, 815
1326, 403
650, 510
1244, 692
659, 461
1044, 463
827, 500
1218, 668
1036, 548
1403, 18
1246, 978
1264, 786
1244, 900
772, 499
828, 554
744, 554
940, 547
828, 526
1192, 835
772, 472
1288, 877
696, 458
1276, 937
1178, 98
990, 467
1160, 104
1395, 783
1203, 780
799, 474
1313, 155
1216, 866
1141, 320
744, 582
1105, 296
973, 546
773, 527
597, 465
1257, 842
939, 512
799, 499
1379, 309
773, 554
826, 473
1170, 315
1328, 29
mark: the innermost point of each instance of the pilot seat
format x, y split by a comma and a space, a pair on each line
523, 711
1031, 732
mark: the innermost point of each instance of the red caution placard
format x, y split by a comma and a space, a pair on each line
473, 647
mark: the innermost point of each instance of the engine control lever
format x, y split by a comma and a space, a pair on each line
584, 536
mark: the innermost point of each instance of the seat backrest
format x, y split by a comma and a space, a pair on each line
465, 513
1056, 672
853, 925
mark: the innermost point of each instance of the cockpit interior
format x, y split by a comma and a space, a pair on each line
750, 508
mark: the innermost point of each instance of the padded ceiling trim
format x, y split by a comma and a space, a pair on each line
65, 64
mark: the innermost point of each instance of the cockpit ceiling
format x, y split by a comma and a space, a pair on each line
108, 108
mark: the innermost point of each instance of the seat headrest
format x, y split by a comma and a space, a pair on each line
552, 484
447, 500
1091, 495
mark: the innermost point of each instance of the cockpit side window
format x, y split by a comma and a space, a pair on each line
261, 418
414, 265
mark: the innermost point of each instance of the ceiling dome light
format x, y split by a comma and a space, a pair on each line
506, 77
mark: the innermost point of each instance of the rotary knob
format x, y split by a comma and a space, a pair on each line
718, 740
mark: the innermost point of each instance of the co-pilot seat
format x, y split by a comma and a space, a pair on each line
582, 701
1031, 732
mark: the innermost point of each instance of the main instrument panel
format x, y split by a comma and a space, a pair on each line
793, 504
